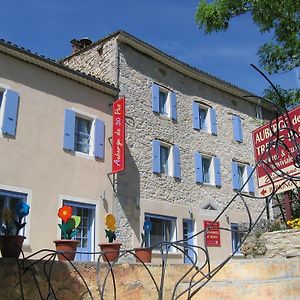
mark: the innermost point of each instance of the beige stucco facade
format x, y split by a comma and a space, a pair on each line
34, 161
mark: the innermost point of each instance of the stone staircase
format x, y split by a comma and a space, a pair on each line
267, 279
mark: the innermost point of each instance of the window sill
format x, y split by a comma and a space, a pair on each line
164, 117
83, 155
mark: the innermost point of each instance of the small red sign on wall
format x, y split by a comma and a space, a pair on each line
212, 236
118, 136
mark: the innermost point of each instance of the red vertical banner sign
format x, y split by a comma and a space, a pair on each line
118, 136
212, 236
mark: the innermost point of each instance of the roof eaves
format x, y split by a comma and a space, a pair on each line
53, 66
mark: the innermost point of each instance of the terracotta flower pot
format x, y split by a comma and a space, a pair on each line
68, 247
110, 251
143, 255
11, 245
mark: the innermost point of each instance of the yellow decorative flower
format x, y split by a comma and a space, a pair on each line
110, 222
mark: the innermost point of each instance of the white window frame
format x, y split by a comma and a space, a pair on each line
207, 122
258, 112
173, 221
234, 227
167, 113
170, 159
91, 135
96, 224
211, 169
244, 177
28, 192
92, 118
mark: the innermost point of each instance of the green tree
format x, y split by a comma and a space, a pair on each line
279, 17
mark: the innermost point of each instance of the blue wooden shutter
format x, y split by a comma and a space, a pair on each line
235, 176
198, 167
176, 163
156, 156
217, 169
237, 128
251, 186
99, 139
10, 112
196, 119
155, 97
213, 121
173, 106
69, 130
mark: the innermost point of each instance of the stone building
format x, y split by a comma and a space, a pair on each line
53, 148
188, 143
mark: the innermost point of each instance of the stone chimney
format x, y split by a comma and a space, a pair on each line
78, 45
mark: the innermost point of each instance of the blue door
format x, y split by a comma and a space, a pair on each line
188, 231
86, 231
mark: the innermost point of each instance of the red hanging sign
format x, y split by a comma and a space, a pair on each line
212, 236
118, 136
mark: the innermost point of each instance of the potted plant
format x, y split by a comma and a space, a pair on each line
10, 240
110, 251
144, 254
68, 245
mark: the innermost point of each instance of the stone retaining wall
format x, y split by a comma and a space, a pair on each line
284, 243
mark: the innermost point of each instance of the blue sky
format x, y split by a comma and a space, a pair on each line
47, 26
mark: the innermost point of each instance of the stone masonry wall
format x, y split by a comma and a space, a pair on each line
100, 61
137, 183
284, 243
137, 73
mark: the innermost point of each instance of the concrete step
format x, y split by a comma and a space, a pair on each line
279, 289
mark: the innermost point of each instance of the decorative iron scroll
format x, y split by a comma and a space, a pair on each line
201, 270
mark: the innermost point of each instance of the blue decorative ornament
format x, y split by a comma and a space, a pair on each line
22, 209
147, 227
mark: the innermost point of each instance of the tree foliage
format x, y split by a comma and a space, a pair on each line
286, 98
279, 17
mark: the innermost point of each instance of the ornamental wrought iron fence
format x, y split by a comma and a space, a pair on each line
200, 270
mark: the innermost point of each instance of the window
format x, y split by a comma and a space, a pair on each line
163, 104
258, 112
163, 229
10, 200
83, 134
207, 169
166, 159
237, 129
164, 101
242, 177
9, 105
235, 238
204, 118
86, 229
1, 96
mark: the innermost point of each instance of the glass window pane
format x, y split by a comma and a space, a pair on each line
206, 162
164, 158
82, 134
162, 231
163, 102
203, 118
1, 96
241, 170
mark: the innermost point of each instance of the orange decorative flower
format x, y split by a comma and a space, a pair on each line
110, 222
65, 213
